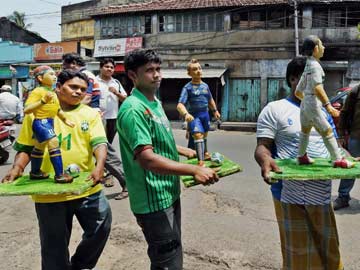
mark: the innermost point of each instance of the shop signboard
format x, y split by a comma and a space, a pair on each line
54, 51
116, 47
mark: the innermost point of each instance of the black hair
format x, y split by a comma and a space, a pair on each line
69, 74
105, 61
73, 57
309, 44
140, 57
295, 68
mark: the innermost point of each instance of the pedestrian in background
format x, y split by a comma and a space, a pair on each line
112, 94
349, 128
10, 105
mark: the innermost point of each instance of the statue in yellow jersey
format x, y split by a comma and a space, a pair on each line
44, 104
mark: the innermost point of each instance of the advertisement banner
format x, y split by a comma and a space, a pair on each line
116, 47
54, 51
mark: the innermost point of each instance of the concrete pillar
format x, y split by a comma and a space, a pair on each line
154, 24
227, 22
97, 30
307, 17
263, 91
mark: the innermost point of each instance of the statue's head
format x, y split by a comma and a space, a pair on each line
312, 46
194, 69
45, 75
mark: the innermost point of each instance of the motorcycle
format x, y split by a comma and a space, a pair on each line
7, 137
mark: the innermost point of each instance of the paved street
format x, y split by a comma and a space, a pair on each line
230, 225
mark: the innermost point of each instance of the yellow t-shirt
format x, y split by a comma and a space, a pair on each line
48, 110
76, 146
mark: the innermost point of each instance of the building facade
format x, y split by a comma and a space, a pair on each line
16, 53
245, 45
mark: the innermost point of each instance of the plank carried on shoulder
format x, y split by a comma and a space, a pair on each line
322, 169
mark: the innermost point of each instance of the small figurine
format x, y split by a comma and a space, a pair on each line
44, 104
313, 97
197, 95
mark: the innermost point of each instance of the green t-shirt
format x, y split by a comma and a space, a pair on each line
143, 122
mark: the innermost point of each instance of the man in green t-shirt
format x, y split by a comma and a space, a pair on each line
151, 162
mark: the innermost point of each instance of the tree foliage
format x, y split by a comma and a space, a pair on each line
20, 19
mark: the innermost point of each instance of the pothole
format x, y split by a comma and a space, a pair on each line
218, 203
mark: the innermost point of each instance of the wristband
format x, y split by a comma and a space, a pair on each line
327, 103
214, 111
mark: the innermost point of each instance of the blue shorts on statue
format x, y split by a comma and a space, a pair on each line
43, 129
201, 123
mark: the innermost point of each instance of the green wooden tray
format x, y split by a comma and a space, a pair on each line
322, 169
24, 186
227, 168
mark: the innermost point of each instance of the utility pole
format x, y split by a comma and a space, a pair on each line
296, 29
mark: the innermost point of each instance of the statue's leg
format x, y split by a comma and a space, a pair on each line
304, 140
206, 152
205, 122
197, 132
36, 161
306, 125
199, 147
55, 156
56, 160
323, 127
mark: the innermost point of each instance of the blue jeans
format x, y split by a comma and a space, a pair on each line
347, 184
55, 225
162, 231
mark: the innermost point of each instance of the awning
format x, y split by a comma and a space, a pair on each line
182, 73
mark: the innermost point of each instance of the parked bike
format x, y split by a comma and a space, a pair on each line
7, 137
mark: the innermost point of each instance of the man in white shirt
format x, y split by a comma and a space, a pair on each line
306, 220
111, 94
10, 105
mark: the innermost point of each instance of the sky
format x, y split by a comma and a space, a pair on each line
45, 15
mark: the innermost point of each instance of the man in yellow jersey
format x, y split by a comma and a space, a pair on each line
91, 208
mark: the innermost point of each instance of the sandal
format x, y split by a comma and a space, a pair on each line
122, 195
108, 181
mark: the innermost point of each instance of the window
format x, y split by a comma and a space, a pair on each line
170, 23
202, 22
257, 19
191, 22
161, 23
211, 22
179, 23
334, 17
194, 23
147, 29
276, 19
186, 22
281, 17
122, 26
353, 16
219, 27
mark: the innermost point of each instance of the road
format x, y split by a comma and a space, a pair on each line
229, 225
